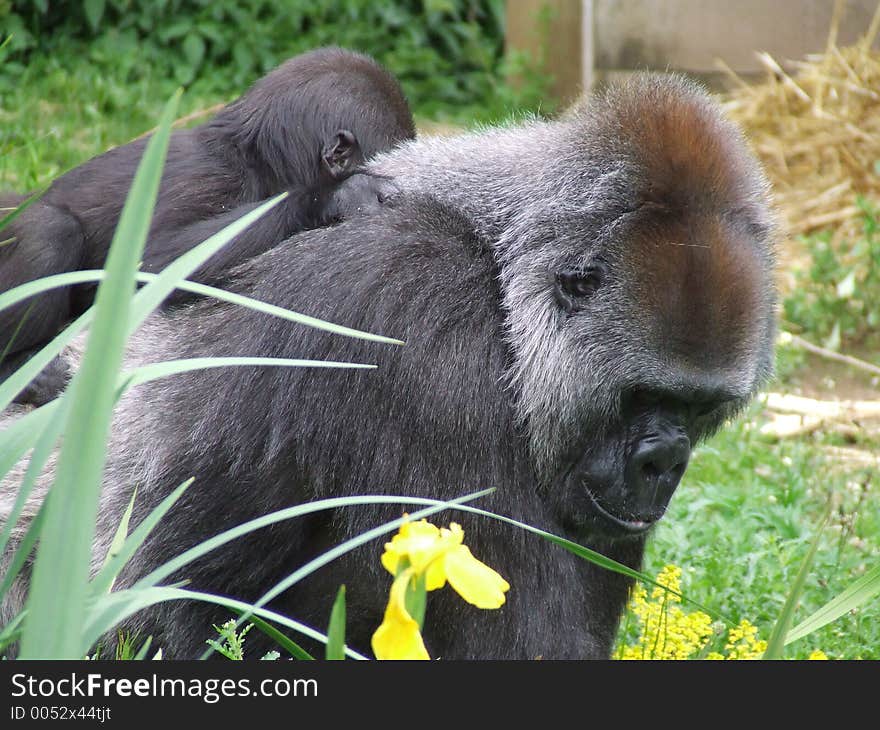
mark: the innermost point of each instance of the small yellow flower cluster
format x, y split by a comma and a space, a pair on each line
423, 557
742, 643
667, 632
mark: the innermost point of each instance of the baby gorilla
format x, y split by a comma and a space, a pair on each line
304, 128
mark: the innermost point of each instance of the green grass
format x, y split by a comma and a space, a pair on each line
63, 113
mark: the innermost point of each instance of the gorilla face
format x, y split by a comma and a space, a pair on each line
668, 327
640, 326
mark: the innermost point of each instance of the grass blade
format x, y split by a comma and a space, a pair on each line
115, 607
594, 557
203, 548
30, 289
777, 639
16, 382
38, 286
53, 629
154, 371
103, 581
11, 631
120, 536
283, 313
23, 550
20, 437
858, 593
46, 441
284, 641
175, 273
24, 205
336, 629
142, 652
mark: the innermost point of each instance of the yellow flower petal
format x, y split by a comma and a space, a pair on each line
474, 581
454, 535
398, 636
435, 577
398, 641
390, 559
420, 542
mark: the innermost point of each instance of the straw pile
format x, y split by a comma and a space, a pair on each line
817, 131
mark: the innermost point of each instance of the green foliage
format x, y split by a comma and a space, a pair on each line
336, 629
448, 54
62, 562
838, 300
126, 648
790, 362
744, 519
231, 643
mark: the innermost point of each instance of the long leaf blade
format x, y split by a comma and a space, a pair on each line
336, 628
24, 205
53, 629
857, 594
777, 639
103, 581
25, 291
284, 641
206, 546
121, 534
115, 607
154, 371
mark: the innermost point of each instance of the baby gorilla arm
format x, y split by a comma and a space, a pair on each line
360, 193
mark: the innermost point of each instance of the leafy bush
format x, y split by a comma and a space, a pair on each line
447, 53
837, 300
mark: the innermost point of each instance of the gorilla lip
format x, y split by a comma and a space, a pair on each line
633, 527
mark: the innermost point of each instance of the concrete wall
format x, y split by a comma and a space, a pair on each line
580, 39
551, 30
691, 34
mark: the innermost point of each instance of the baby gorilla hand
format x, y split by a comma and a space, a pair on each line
359, 194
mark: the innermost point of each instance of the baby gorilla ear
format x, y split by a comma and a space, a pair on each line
341, 155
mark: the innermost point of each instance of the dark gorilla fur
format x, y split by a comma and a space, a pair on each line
571, 293
306, 128
54, 245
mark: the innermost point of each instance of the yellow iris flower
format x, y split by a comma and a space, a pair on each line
399, 636
439, 555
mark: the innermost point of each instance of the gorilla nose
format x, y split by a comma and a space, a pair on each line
656, 468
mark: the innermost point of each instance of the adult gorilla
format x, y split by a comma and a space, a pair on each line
582, 301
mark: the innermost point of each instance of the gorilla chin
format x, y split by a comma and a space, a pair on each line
622, 486
617, 508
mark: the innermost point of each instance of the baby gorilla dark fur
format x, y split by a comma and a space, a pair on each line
306, 128
582, 300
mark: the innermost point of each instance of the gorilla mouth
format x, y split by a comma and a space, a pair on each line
630, 526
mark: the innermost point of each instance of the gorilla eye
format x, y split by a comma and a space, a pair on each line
576, 286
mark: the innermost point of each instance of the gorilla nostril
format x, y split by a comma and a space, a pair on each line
650, 472
659, 465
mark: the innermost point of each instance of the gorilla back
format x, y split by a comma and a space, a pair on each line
582, 301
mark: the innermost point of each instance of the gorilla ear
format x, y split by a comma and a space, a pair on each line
341, 155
